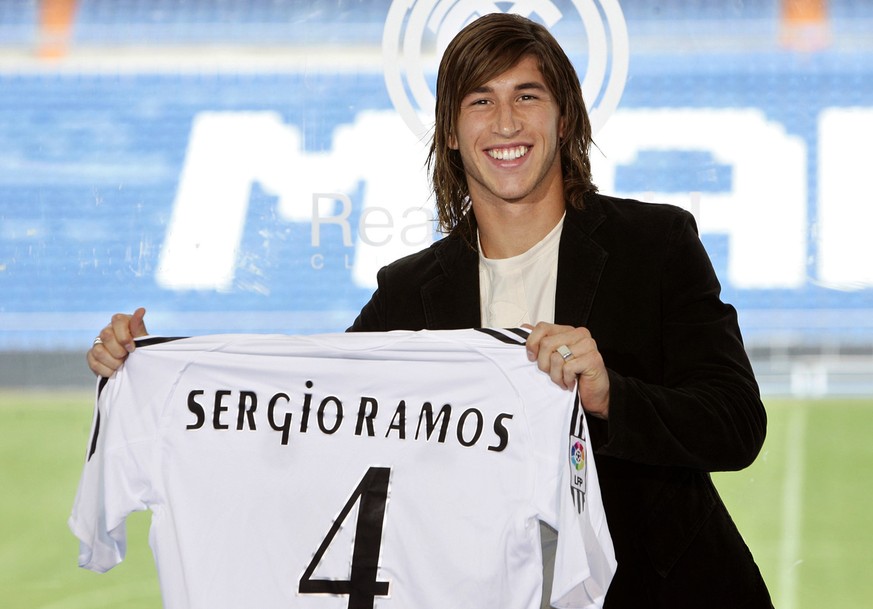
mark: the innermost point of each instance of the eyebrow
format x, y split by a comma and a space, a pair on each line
524, 86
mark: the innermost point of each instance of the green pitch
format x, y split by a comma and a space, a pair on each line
804, 507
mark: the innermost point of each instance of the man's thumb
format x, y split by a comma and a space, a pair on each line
137, 324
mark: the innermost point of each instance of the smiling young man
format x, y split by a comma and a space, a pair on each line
623, 297
507, 137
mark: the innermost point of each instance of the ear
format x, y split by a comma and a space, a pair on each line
452, 141
562, 128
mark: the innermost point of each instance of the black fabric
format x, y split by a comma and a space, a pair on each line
683, 398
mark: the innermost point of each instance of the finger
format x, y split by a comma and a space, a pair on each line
121, 329
111, 342
111, 359
532, 344
581, 345
587, 370
137, 324
560, 371
548, 358
544, 339
97, 357
570, 372
584, 364
564, 343
580, 357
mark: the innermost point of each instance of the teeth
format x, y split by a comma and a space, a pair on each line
507, 154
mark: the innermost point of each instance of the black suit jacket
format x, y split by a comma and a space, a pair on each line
683, 398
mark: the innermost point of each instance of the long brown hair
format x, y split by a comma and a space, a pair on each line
481, 51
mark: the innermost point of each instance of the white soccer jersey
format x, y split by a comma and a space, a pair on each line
392, 470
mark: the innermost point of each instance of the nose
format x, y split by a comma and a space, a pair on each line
506, 121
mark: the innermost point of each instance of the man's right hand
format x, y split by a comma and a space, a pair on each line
115, 342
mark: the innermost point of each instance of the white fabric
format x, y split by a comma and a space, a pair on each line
244, 494
520, 290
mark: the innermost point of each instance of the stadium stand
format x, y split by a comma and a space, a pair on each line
92, 146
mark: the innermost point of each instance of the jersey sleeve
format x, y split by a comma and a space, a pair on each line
585, 558
116, 476
567, 489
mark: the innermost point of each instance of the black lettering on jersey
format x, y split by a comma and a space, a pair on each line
363, 586
285, 427
367, 411
250, 399
477, 431
219, 408
426, 416
501, 432
337, 414
398, 421
242, 407
307, 405
195, 407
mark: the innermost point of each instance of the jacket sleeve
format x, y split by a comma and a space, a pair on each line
705, 410
371, 317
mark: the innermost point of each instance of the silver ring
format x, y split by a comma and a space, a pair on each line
564, 351
98, 341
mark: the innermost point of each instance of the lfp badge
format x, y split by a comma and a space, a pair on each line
577, 472
577, 455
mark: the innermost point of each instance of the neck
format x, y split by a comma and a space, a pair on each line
513, 230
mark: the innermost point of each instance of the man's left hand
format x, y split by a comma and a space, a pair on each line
570, 357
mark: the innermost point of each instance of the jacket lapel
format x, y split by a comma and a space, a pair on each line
451, 299
580, 264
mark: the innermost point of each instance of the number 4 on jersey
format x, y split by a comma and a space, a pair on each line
361, 587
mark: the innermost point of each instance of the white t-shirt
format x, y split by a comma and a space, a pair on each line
399, 469
520, 290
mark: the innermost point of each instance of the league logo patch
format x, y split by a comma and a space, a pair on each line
577, 454
577, 472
